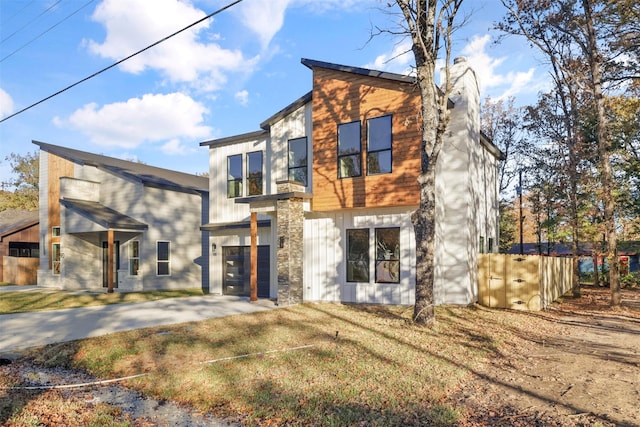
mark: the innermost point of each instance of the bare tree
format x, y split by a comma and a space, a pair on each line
430, 24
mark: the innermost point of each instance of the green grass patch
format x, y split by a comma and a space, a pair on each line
20, 302
379, 370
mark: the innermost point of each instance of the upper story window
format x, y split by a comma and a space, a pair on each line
254, 173
379, 145
349, 149
234, 176
55, 231
298, 160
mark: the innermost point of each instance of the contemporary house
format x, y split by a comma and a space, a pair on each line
111, 223
316, 204
19, 249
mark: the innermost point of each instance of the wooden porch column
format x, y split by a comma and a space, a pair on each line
110, 260
254, 256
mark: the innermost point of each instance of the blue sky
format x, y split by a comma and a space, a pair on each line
219, 79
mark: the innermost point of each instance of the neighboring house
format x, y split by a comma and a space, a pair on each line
328, 185
112, 223
19, 246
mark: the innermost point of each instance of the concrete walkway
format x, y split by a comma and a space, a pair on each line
23, 330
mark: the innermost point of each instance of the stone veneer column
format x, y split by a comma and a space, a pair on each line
290, 251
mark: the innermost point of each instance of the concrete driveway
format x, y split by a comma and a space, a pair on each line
24, 330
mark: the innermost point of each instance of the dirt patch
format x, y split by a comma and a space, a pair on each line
575, 364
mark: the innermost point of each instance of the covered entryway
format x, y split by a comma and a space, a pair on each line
236, 279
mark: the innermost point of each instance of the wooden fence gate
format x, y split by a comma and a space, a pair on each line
522, 282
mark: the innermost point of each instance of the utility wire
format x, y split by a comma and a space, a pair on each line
222, 9
47, 30
18, 12
30, 22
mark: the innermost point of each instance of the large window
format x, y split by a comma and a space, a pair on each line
234, 176
164, 258
298, 160
388, 255
254, 173
379, 145
134, 257
349, 149
358, 255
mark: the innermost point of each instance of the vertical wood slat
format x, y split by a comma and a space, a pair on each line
110, 260
254, 256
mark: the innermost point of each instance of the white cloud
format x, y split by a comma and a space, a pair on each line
399, 60
242, 97
487, 70
263, 17
6, 103
175, 147
151, 118
133, 25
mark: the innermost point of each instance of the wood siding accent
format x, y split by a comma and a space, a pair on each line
340, 97
58, 167
28, 234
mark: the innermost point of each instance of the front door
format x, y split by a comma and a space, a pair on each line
237, 271
105, 263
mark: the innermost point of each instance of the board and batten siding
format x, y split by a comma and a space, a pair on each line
325, 257
297, 124
222, 208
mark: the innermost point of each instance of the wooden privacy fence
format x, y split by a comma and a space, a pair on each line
522, 282
20, 270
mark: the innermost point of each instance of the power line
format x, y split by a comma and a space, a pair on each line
47, 30
222, 9
30, 22
19, 11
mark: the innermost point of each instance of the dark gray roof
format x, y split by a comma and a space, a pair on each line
249, 136
304, 99
148, 175
102, 215
13, 220
357, 70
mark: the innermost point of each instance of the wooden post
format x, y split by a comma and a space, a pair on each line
254, 256
110, 261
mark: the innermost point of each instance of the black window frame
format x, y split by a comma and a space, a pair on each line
387, 259
302, 165
161, 261
233, 182
377, 152
255, 179
357, 170
352, 261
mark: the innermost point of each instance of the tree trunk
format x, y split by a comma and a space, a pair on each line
607, 180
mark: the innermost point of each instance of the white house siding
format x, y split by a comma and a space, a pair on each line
297, 124
175, 217
325, 257
222, 208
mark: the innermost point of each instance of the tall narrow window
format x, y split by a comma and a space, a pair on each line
164, 258
134, 257
481, 245
358, 255
379, 145
298, 160
234, 176
55, 231
388, 255
55, 258
254, 173
349, 149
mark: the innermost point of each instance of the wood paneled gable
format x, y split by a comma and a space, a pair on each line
341, 97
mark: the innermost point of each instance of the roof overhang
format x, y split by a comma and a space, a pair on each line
225, 226
103, 216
